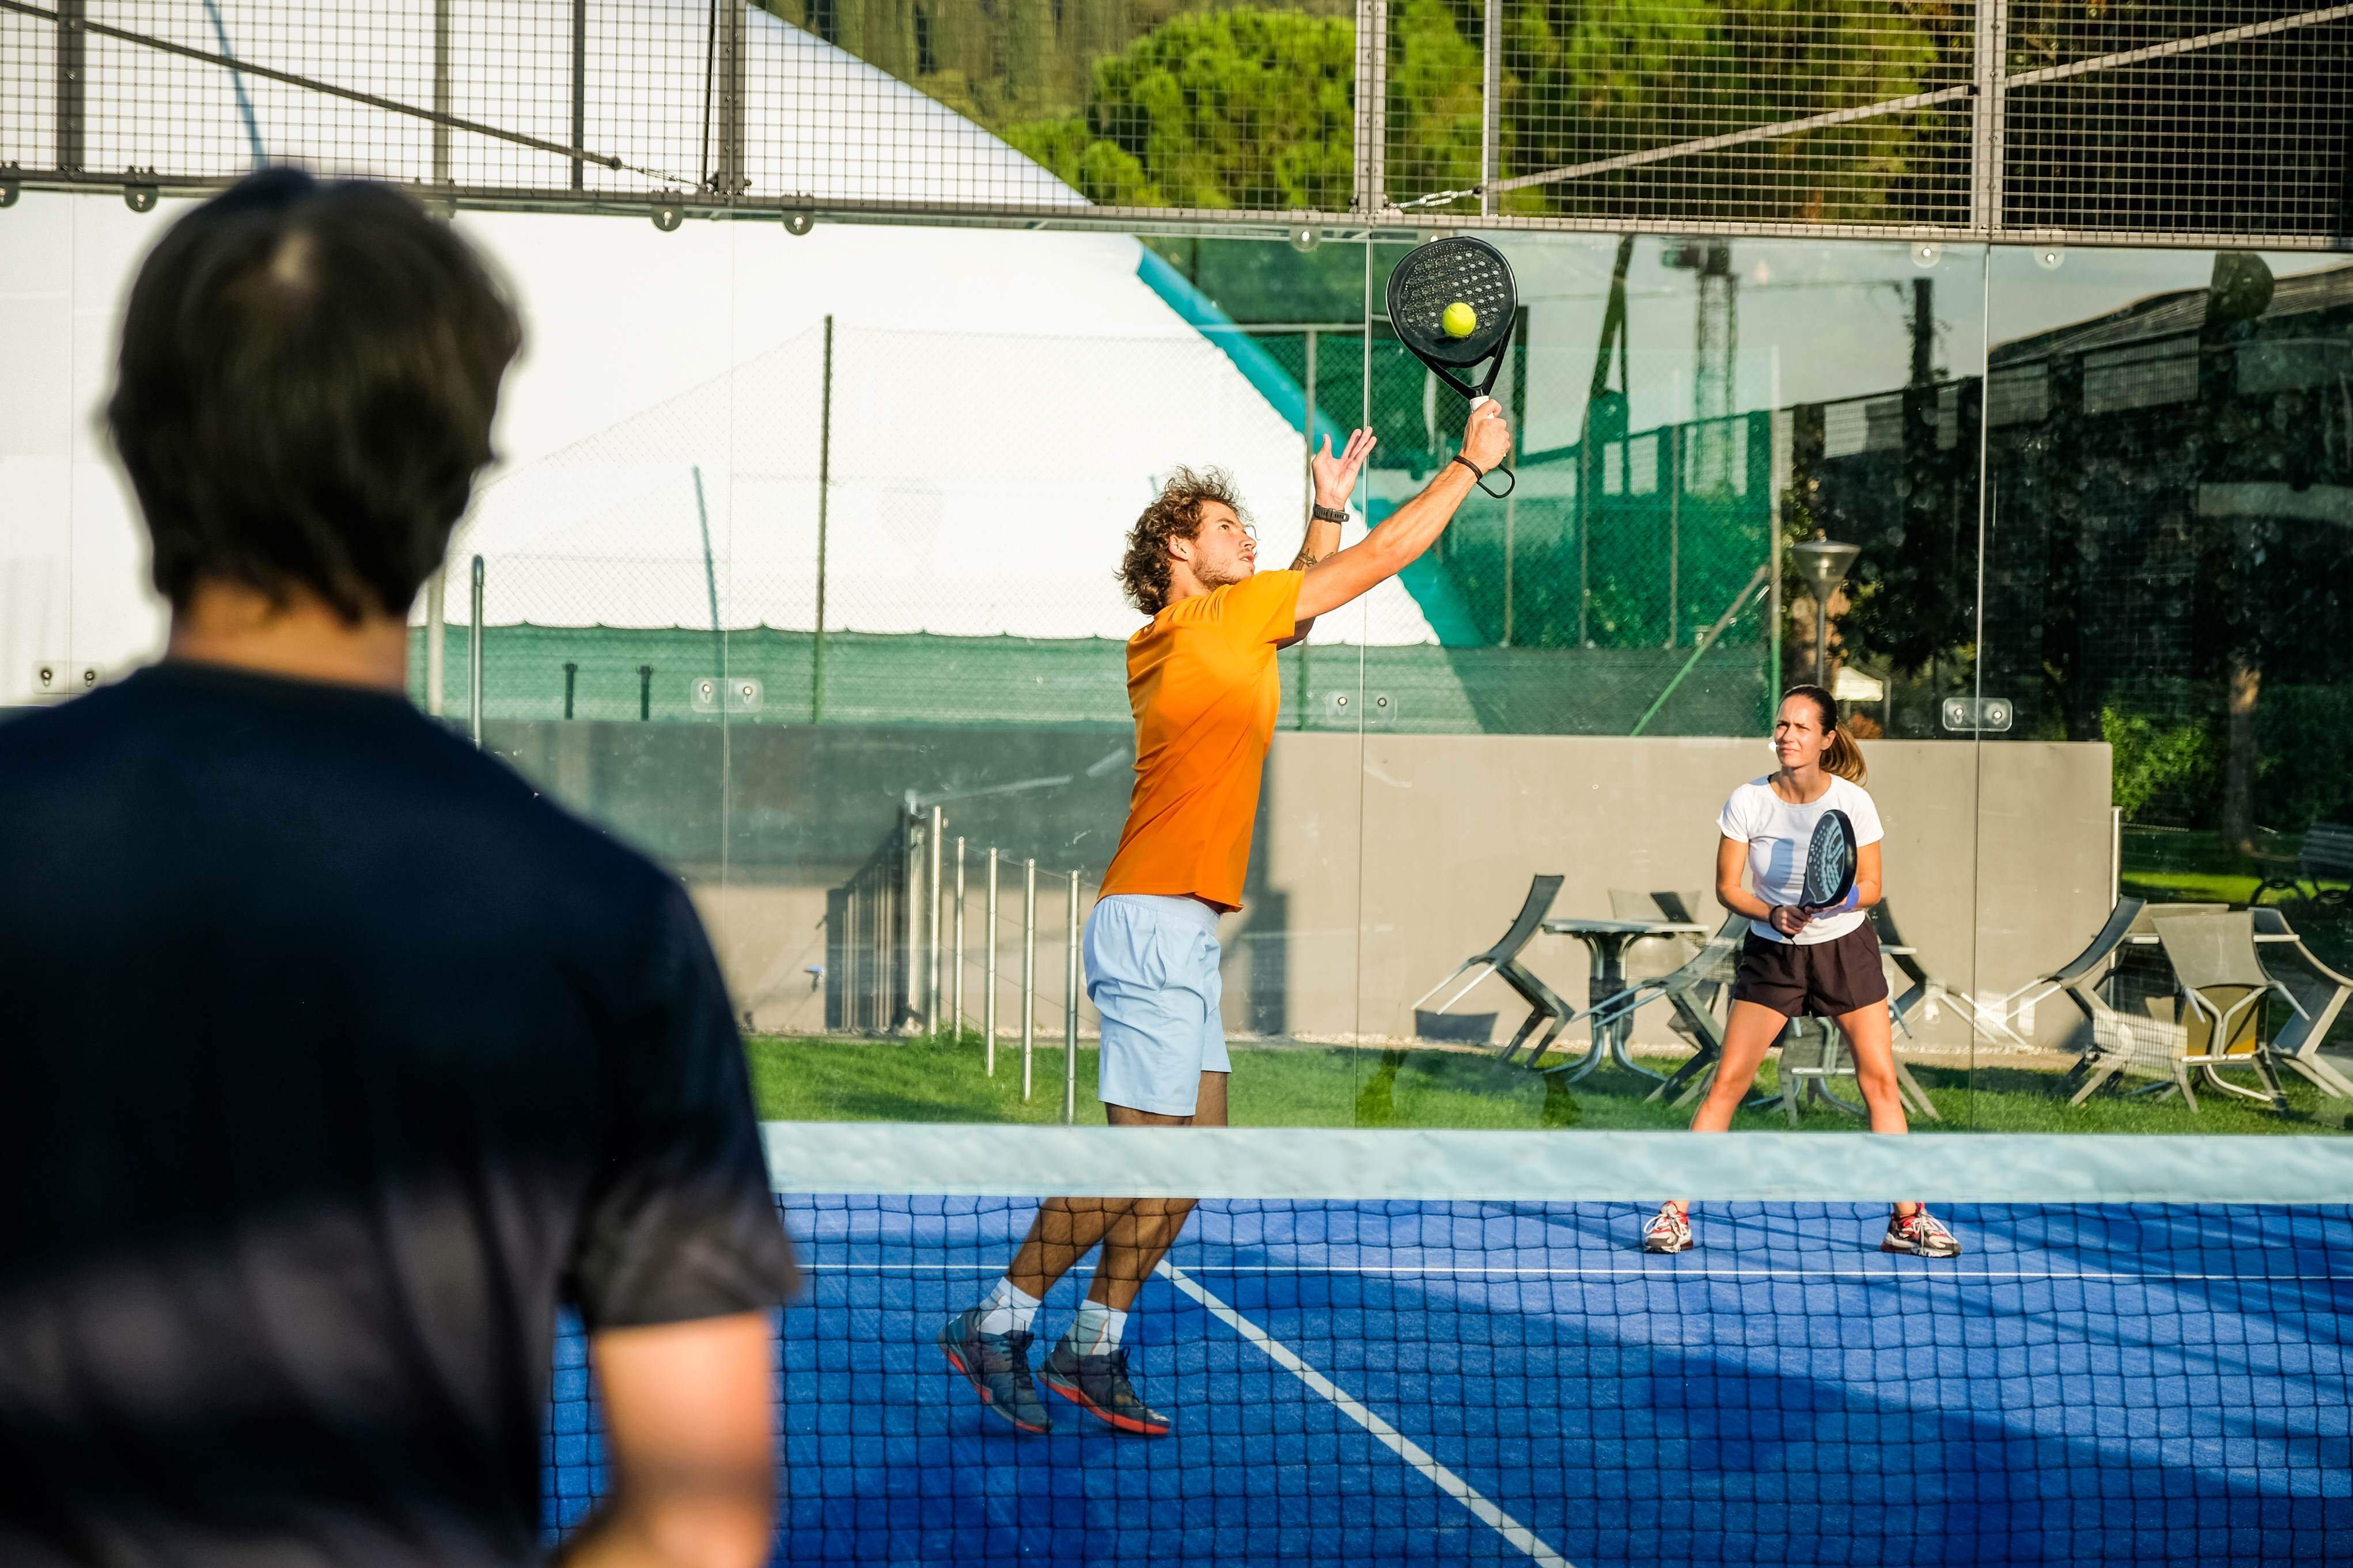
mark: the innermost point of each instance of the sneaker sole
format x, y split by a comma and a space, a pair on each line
1905, 1250
987, 1404
1117, 1423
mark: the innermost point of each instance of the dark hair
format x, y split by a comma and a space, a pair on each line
304, 395
1845, 758
1175, 514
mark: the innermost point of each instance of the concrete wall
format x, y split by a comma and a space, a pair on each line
1380, 864
1376, 877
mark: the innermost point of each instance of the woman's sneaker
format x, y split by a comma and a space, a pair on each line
1919, 1233
1670, 1230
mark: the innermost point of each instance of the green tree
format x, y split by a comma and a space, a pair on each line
1222, 109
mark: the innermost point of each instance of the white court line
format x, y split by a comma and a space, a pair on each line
1875, 1277
1388, 1436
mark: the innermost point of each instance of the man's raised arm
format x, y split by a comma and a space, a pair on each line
1335, 482
1400, 539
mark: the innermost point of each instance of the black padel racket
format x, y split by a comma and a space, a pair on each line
1453, 304
1830, 863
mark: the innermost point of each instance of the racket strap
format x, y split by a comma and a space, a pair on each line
1479, 477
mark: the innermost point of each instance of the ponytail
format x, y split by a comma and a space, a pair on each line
1844, 757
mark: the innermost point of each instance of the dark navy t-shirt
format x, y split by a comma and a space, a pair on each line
331, 1060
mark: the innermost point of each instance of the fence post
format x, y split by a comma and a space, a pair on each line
932, 978
1987, 127
823, 493
442, 102
727, 176
988, 977
1071, 1008
1029, 969
1491, 108
437, 651
72, 85
1372, 106
955, 966
1674, 528
579, 85
910, 883
474, 660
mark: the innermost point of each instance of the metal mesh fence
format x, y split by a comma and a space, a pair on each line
886, 527
2220, 118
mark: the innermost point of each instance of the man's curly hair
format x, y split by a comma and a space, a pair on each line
1175, 514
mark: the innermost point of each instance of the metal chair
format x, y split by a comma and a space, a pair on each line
2223, 987
1547, 1013
2087, 969
1674, 951
1695, 991
2123, 1041
2317, 1004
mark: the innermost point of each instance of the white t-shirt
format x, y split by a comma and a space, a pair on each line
1779, 835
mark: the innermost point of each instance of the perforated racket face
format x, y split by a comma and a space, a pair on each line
1457, 268
1829, 862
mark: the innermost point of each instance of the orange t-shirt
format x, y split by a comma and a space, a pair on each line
1202, 682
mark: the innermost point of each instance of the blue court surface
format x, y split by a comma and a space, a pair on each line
1381, 1382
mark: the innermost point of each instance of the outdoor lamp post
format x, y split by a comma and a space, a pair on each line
1824, 562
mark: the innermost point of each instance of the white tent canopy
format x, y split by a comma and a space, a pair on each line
1004, 401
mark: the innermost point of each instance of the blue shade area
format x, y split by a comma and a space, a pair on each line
2087, 1385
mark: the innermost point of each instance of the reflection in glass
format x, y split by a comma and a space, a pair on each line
2168, 570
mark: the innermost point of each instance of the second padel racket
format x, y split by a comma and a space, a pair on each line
1830, 863
1453, 304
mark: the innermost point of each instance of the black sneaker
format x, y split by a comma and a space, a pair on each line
1919, 1233
1098, 1385
998, 1366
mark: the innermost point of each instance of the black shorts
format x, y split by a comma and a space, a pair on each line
1811, 980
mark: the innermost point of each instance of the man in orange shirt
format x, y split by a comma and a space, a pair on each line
1201, 679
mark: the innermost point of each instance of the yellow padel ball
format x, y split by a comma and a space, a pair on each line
1460, 321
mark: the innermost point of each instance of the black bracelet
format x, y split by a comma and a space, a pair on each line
1477, 473
1329, 513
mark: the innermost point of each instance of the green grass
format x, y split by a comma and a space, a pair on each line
925, 1079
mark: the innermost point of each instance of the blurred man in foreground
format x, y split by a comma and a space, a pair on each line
331, 1057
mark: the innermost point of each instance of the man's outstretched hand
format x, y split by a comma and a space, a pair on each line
1336, 478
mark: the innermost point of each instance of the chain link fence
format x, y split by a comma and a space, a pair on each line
875, 527
2213, 121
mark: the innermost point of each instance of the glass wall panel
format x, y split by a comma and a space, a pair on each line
2168, 573
1604, 649
798, 569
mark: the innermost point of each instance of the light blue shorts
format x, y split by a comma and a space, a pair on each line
1152, 973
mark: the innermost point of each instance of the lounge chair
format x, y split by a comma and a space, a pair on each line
2122, 1040
1549, 1015
2223, 988
1694, 992
1673, 950
2317, 997
2087, 969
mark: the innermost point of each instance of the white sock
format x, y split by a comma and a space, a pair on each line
1010, 1309
1096, 1330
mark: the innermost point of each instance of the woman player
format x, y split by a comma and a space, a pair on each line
1796, 964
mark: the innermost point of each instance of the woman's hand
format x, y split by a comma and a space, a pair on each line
1336, 478
1789, 920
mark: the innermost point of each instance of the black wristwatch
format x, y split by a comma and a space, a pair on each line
1329, 513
